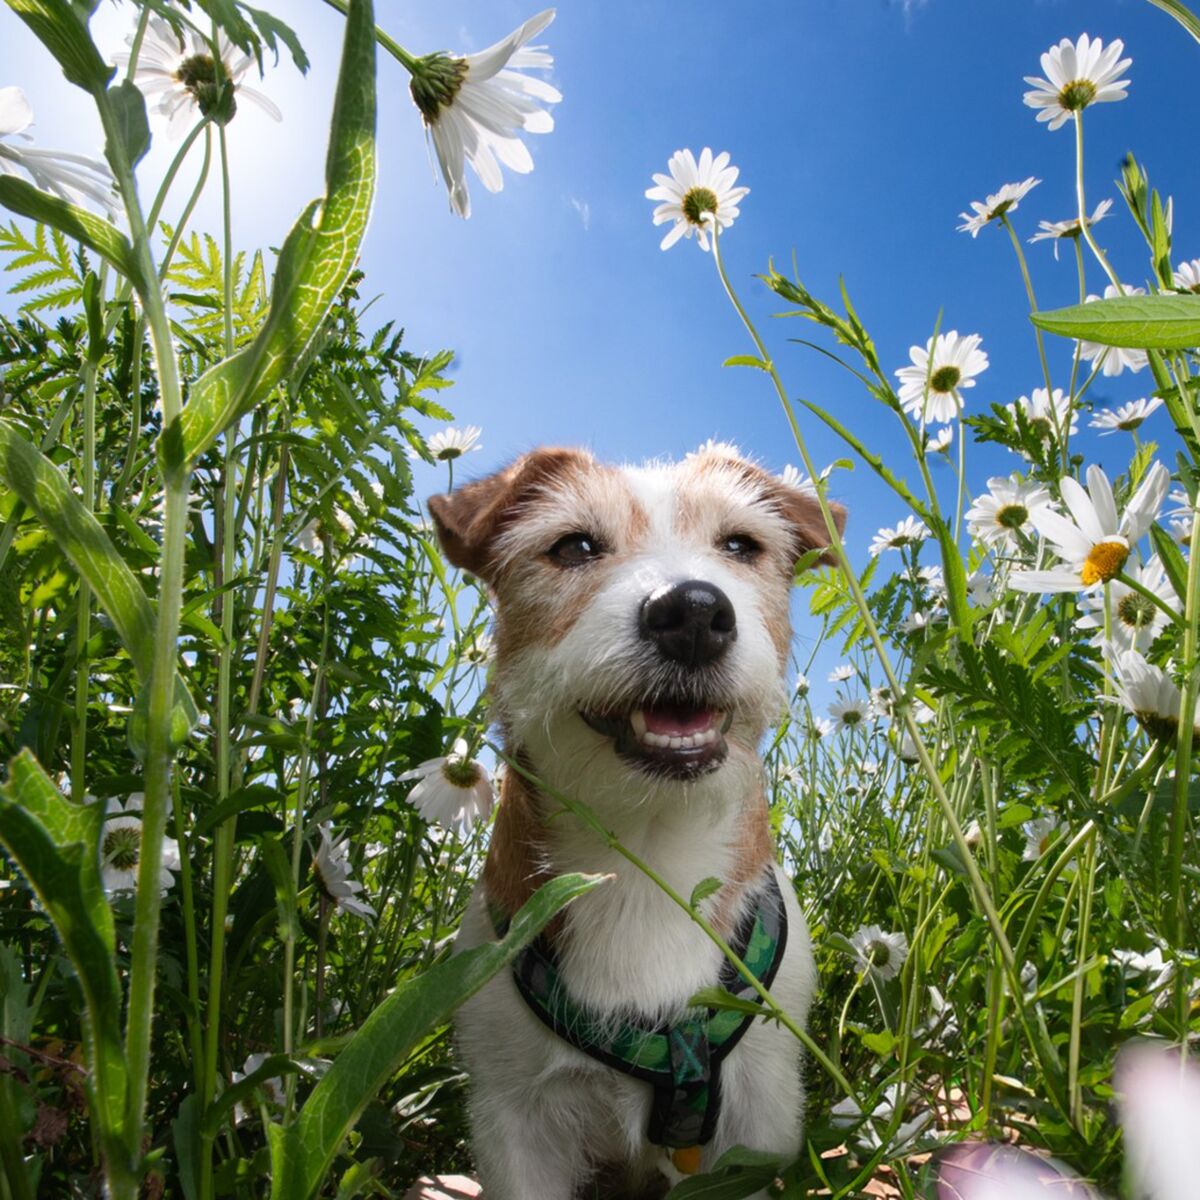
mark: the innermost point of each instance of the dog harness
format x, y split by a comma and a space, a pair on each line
680, 1061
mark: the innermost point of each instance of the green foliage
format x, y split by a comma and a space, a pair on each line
46, 264
1145, 322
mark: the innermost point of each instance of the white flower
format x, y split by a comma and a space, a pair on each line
1077, 74
1182, 504
1047, 413
1149, 693
1004, 201
936, 442
311, 536
477, 106
1095, 545
69, 176
331, 865
696, 195
1151, 963
929, 390
802, 686
183, 73
998, 518
1136, 621
273, 1088
1126, 418
479, 651
825, 839
453, 791
1181, 531
869, 766
917, 621
909, 532
1114, 358
907, 748
882, 702
121, 848
821, 727
450, 443
848, 713
1055, 230
841, 673
931, 578
1040, 835
1187, 277
847, 1115
792, 477
882, 954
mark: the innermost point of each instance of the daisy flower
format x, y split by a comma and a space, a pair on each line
932, 578
121, 848
312, 534
882, 702
802, 686
906, 747
848, 713
696, 195
936, 442
331, 865
995, 206
1136, 620
1077, 74
909, 532
841, 674
1047, 413
979, 588
1040, 835
998, 518
189, 80
1126, 418
450, 443
70, 177
915, 622
476, 107
479, 651
1056, 230
1114, 358
820, 728
881, 954
1152, 963
1181, 531
454, 790
1148, 693
1187, 277
930, 387
1095, 544
792, 477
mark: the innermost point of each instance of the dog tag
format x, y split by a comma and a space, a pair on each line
686, 1159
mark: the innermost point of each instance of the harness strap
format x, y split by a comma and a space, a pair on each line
681, 1060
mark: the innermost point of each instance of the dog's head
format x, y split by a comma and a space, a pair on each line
642, 613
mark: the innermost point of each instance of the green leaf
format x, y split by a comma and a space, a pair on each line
275, 1066
186, 1137
882, 1043
77, 223
58, 27
56, 844
1172, 559
718, 997
704, 889
132, 126
1182, 14
302, 1152
1140, 322
46, 492
746, 360
314, 264
738, 1173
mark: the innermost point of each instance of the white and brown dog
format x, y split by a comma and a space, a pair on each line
642, 635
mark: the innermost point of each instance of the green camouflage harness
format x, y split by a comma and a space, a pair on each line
681, 1062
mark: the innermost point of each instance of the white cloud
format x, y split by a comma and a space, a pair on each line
584, 209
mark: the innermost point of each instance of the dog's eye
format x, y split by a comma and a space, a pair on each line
575, 549
740, 545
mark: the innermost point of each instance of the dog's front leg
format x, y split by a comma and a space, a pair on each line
523, 1151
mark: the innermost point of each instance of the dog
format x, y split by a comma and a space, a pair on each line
642, 634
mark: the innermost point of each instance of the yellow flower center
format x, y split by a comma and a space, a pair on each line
1104, 562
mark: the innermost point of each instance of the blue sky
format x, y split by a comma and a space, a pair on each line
862, 128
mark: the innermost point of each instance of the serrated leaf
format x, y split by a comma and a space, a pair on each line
56, 844
314, 264
302, 1152
76, 223
1138, 322
58, 27
704, 889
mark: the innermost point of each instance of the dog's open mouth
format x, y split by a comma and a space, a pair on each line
672, 738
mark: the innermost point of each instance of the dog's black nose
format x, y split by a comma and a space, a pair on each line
691, 622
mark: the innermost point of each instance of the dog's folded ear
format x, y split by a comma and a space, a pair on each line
803, 513
469, 519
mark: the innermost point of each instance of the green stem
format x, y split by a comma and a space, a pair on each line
1033, 304
1084, 226
408, 61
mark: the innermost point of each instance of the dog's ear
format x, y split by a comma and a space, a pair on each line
803, 513
469, 519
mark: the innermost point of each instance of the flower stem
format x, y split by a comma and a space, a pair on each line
397, 51
1033, 304
1084, 228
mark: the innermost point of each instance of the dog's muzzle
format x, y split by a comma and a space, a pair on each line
692, 623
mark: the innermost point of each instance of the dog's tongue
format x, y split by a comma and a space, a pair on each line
677, 721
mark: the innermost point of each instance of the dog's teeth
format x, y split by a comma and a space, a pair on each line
656, 739
678, 743
637, 719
